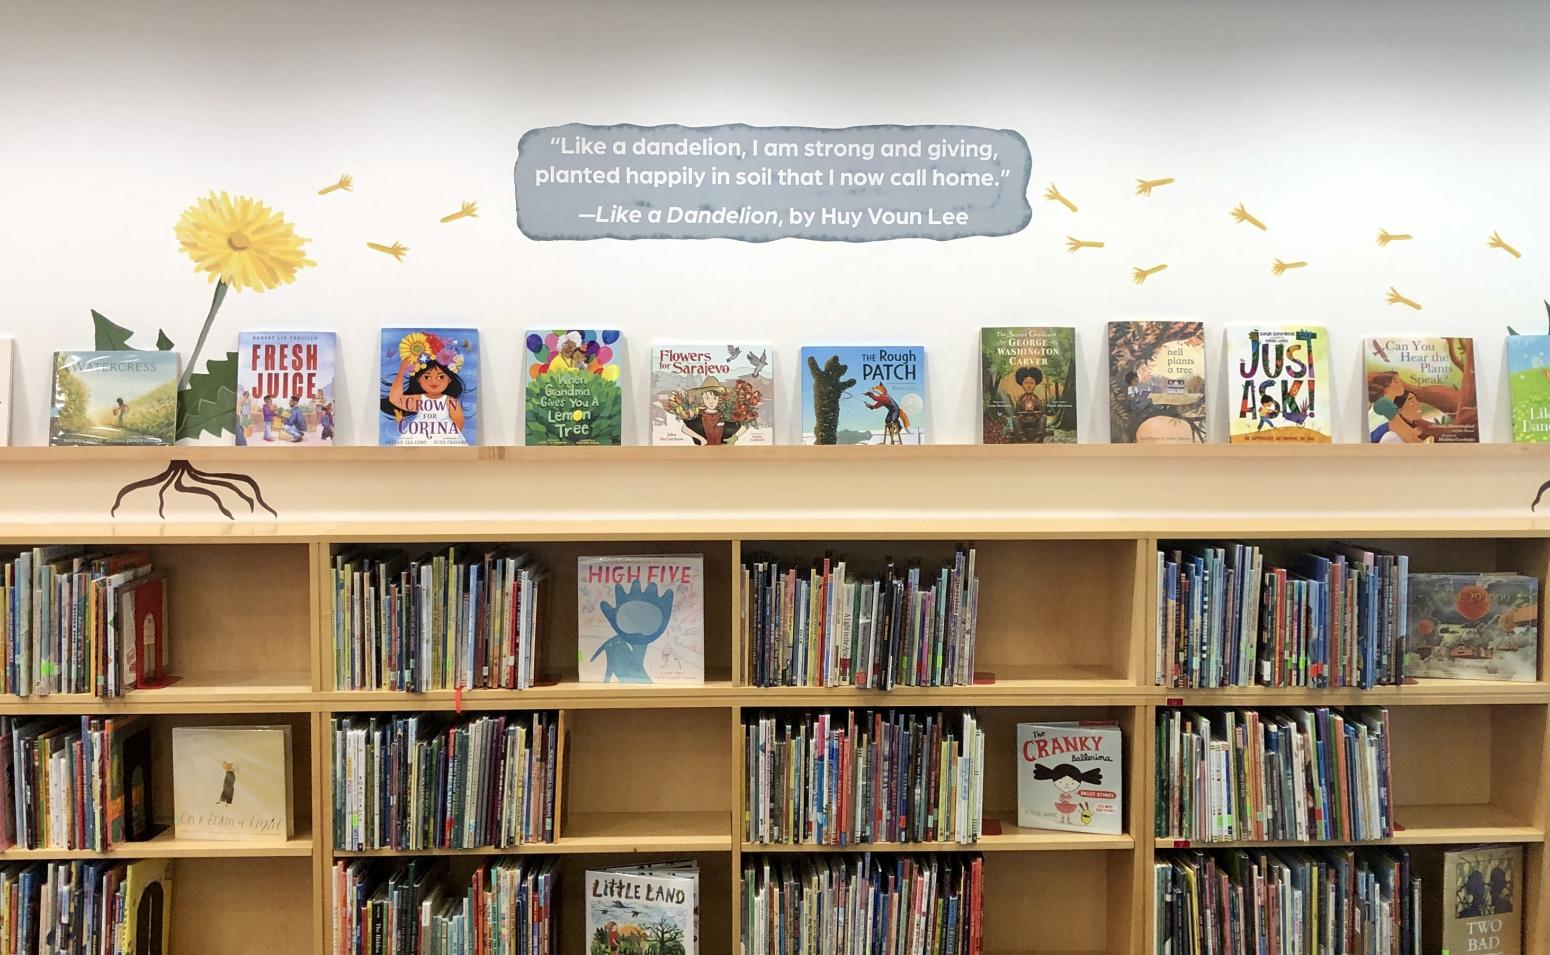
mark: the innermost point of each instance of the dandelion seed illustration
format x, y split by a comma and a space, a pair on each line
1394, 298
1139, 276
1497, 242
346, 182
1385, 237
1241, 214
1072, 244
470, 210
397, 250
1053, 195
1144, 187
1279, 268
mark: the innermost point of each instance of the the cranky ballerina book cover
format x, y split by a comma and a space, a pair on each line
430, 387
1274, 388
868, 394
641, 619
574, 391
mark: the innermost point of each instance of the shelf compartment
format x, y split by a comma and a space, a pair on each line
1415, 826
595, 832
1009, 838
1057, 903
244, 907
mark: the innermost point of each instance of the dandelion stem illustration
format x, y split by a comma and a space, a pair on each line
1277, 267
1053, 195
1140, 275
1144, 187
397, 250
1072, 244
470, 210
346, 182
1497, 242
1241, 214
1385, 237
204, 332
1394, 298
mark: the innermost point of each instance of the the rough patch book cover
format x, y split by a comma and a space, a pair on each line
865, 394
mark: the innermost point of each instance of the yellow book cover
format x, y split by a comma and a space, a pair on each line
147, 907
1274, 391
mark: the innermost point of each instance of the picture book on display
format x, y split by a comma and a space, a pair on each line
641, 619
1028, 385
1528, 384
1273, 375
1473, 627
1483, 896
1157, 383
864, 394
1421, 390
429, 387
705, 394
574, 386
7, 361
232, 782
644, 908
147, 921
1070, 776
114, 397
285, 388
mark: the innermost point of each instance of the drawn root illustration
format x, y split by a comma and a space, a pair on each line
1385, 237
184, 478
1394, 298
1241, 214
1139, 276
1539, 496
1278, 267
1073, 244
1144, 187
1497, 242
1053, 195
469, 210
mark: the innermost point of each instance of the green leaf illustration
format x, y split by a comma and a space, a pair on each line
110, 337
209, 404
163, 343
1512, 331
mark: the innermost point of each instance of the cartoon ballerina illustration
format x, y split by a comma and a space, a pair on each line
1068, 778
425, 396
228, 783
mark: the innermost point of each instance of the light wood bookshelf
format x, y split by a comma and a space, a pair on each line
655, 773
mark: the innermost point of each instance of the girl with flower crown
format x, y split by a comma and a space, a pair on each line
424, 397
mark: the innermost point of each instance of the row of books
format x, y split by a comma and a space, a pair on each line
86, 908
1331, 617
1418, 389
505, 907
861, 776
1356, 902
80, 621
821, 626
420, 782
1296, 775
864, 905
74, 783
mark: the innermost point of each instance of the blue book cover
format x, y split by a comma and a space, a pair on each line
429, 387
864, 394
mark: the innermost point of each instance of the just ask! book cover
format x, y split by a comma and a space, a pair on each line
707, 395
641, 619
1275, 391
867, 394
430, 387
285, 388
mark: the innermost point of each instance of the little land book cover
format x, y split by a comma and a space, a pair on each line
869, 394
641, 619
1528, 382
1421, 390
232, 782
646, 909
574, 390
1473, 627
1482, 901
285, 388
704, 394
430, 387
114, 397
1028, 385
1274, 392
1157, 383
1070, 776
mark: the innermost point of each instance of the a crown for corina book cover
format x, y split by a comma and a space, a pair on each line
285, 387
1421, 390
1157, 383
1275, 392
1482, 900
114, 397
1473, 627
430, 387
641, 619
712, 394
574, 388
1028, 385
866, 394
1528, 383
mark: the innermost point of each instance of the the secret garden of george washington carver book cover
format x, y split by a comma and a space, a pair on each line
641, 619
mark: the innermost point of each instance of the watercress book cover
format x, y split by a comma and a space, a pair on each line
1157, 383
285, 388
1528, 382
232, 782
114, 397
574, 391
1070, 776
712, 394
1028, 385
430, 387
1421, 390
864, 394
1275, 393
641, 619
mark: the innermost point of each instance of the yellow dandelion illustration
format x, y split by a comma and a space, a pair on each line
1053, 195
1139, 275
1497, 242
470, 210
1385, 237
397, 250
1241, 214
1072, 244
1394, 298
1278, 267
1144, 187
241, 243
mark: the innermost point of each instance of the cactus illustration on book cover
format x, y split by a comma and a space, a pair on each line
574, 391
641, 619
871, 394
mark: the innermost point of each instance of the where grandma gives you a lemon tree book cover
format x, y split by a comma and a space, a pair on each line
430, 387
1273, 384
864, 394
641, 619
574, 392
1028, 385
1420, 390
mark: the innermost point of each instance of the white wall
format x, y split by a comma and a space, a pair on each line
1329, 123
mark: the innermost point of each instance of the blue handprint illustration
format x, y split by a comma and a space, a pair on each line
638, 617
